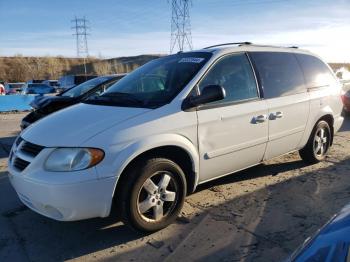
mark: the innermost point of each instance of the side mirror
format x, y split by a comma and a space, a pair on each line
209, 94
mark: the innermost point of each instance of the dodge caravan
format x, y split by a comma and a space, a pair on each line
172, 124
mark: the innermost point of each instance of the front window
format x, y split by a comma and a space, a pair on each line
85, 87
234, 73
156, 83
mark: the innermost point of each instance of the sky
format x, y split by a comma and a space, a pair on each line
134, 27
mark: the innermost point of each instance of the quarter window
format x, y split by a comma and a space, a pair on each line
235, 75
279, 72
317, 74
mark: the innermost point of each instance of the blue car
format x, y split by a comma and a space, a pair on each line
37, 88
330, 243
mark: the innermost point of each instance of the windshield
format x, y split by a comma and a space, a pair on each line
38, 86
85, 87
155, 83
13, 86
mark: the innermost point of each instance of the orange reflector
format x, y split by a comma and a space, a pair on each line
96, 156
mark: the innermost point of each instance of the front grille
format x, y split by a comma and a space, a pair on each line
31, 149
20, 164
23, 153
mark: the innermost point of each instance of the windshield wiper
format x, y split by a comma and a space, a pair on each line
116, 98
123, 96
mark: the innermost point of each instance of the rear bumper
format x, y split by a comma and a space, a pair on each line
338, 122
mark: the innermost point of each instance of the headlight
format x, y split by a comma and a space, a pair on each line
73, 159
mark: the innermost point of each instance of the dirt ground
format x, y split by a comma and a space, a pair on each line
261, 214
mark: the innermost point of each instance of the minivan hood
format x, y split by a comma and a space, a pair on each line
41, 102
74, 125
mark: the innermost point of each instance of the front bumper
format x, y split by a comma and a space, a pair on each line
64, 196
67, 202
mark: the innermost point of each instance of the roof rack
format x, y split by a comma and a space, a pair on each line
238, 43
249, 43
275, 46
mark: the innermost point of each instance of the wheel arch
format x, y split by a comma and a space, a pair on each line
325, 114
175, 147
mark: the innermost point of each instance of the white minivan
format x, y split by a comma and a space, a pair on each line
172, 124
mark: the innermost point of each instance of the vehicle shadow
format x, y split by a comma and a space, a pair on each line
48, 240
260, 170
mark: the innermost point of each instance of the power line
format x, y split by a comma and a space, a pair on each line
80, 26
180, 25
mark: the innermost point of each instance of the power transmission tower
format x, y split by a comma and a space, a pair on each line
180, 25
80, 27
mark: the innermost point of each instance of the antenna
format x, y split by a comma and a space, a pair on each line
80, 27
180, 25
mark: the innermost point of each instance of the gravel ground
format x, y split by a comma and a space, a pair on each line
260, 214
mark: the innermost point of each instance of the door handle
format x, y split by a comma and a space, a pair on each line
259, 119
276, 115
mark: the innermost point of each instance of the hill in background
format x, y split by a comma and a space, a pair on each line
20, 69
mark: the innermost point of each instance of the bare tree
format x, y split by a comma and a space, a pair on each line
54, 67
18, 71
102, 68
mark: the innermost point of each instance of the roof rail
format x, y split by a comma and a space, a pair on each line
238, 43
249, 43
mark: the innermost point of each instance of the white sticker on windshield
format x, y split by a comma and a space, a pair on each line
196, 60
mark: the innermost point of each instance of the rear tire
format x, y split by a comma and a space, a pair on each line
152, 195
318, 144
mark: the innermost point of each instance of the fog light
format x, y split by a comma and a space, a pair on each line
52, 212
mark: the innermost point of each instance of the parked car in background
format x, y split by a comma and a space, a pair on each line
330, 243
69, 81
346, 102
14, 88
39, 89
46, 105
172, 124
53, 83
34, 81
2, 88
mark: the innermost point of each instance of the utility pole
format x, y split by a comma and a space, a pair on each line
181, 38
80, 27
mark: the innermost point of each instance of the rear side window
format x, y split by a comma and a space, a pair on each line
279, 72
317, 74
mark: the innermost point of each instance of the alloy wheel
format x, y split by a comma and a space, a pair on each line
321, 142
157, 196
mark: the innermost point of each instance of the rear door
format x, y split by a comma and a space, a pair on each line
287, 99
232, 133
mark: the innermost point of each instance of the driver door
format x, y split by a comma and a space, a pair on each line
233, 132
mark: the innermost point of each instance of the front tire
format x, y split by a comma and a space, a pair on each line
318, 144
153, 194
